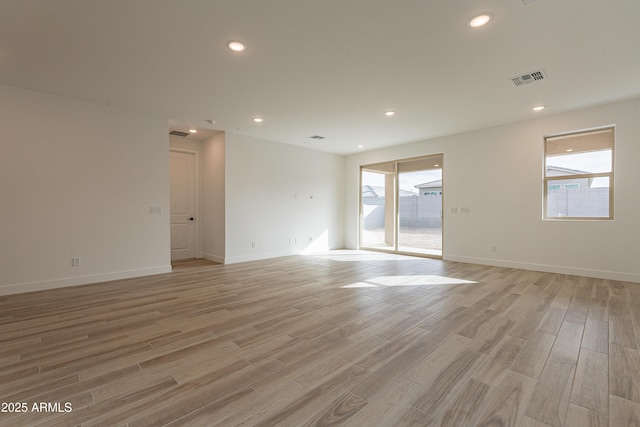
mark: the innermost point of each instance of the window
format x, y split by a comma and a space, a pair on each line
578, 181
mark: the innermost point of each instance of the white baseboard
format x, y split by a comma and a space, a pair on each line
80, 280
559, 269
214, 258
258, 257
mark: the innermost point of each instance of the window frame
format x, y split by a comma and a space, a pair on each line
547, 179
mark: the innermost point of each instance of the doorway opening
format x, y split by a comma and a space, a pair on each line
401, 206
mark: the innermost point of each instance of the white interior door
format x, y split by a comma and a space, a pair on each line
183, 205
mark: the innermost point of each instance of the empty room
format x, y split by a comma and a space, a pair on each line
319, 212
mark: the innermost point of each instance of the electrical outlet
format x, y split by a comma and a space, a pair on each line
253, 244
75, 262
494, 248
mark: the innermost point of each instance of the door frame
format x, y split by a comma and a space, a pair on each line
196, 225
396, 204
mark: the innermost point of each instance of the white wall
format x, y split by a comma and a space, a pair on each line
278, 197
77, 180
497, 173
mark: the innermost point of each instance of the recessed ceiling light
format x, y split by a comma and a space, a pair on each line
193, 131
539, 107
257, 119
389, 113
435, 166
236, 46
568, 150
479, 20
360, 146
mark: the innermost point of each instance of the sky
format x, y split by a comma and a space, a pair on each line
593, 162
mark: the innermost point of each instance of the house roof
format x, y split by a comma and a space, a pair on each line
565, 171
369, 191
431, 184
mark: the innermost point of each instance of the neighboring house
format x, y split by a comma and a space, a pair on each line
428, 206
579, 197
574, 183
432, 188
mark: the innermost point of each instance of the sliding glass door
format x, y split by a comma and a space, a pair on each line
401, 206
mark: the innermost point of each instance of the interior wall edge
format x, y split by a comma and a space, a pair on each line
212, 257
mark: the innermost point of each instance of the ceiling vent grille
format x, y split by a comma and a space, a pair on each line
179, 133
529, 78
316, 137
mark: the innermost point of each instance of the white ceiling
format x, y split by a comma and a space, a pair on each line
325, 67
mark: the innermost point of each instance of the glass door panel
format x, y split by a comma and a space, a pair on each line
377, 207
420, 206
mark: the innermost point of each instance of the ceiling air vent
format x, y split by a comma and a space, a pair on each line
525, 79
316, 137
179, 133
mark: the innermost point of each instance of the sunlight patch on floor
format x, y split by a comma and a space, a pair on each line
358, 255
414, 280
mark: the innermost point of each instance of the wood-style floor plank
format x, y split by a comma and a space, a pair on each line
550, 399
596, 335
509, 403
339, 411
568, 341
343, 338
533, 356
579, 416
499, 362
590, 387
388, 405
624, 373
624, 412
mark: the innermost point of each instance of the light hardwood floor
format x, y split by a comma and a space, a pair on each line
357, 339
